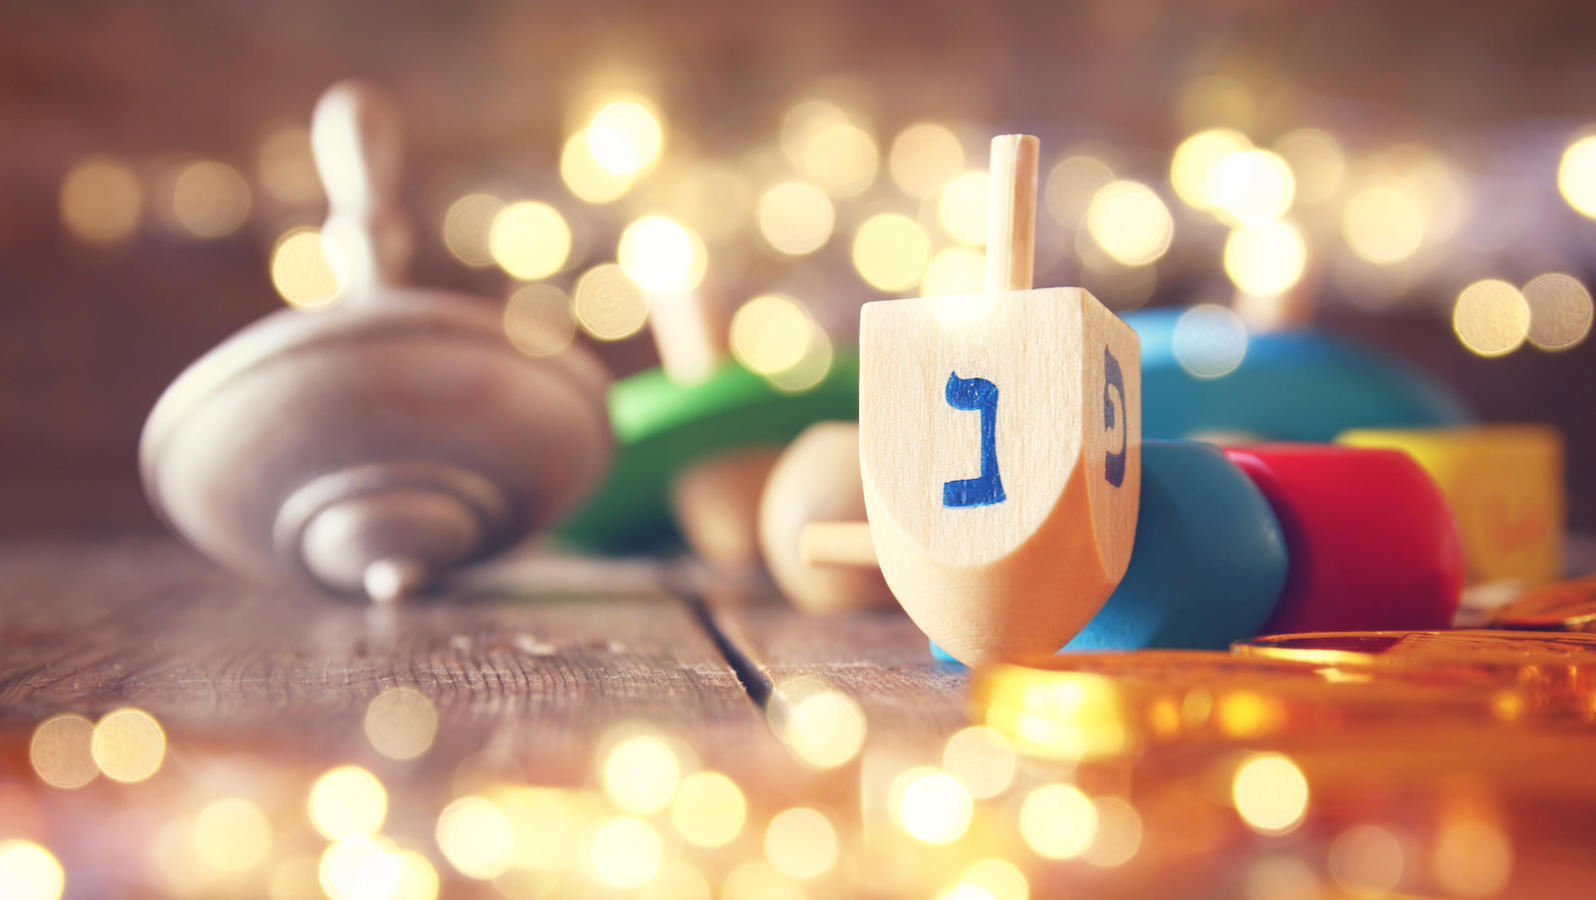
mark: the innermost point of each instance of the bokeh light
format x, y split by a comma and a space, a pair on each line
1559, 309
822, 726
890, 251
625, 852
1209, 341
661, 254
467, 225
128, 745
1367, 860
1473, 857
1317, 161
301, 272
60, 751
529, 240
1266, 258
801, 843
209, 199
808, 371
924, 156
709, 809
359, 868
841, 158
538, 321
585, 178
1270, 793
1071, 184
1383, 225
347, 801
998, 878
608, 304
770, 333
1576, 175
1197, 161
1252, 186
795, 217
954, 270
418, 880
1118, 836
1130, 223
233, 835
962, 208
1491, 317
802, 123
1057, 821
933, 806
30, 872
982, 759
401, 722
101, 201
640, 773
625, 137
475, 837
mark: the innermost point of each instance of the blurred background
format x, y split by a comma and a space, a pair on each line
1419, 176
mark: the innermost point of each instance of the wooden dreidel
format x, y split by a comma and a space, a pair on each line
697, 437
1000, 444
1293, 384
817, 480
371, 445
1371, 540
1505, 486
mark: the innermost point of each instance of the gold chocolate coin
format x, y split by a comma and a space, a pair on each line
1559, 606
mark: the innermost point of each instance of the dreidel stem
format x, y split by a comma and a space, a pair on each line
1011, 213
837, 544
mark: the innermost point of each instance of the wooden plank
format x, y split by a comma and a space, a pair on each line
88, 627
877, 657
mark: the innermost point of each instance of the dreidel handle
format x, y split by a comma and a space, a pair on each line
1011, 213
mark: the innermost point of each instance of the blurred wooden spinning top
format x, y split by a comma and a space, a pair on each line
371, 445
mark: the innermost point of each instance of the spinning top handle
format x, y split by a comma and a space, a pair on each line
355, 136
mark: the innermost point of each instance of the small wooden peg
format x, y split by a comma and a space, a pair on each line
837, 544
1011, 213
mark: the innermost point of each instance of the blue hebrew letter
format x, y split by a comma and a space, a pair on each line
1114, 419
976, 393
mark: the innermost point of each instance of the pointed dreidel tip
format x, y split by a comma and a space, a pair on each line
1011, 213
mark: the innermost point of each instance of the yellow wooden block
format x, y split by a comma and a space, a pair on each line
1000, 449
1505, 486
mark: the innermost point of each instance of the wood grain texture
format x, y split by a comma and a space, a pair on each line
877, 657
89, 627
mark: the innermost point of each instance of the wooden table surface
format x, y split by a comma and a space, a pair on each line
527, 679
533, 669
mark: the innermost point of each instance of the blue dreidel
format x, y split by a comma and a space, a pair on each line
1294, 385
1208, 563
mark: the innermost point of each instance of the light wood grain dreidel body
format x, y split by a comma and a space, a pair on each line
1000, 445
368, 446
